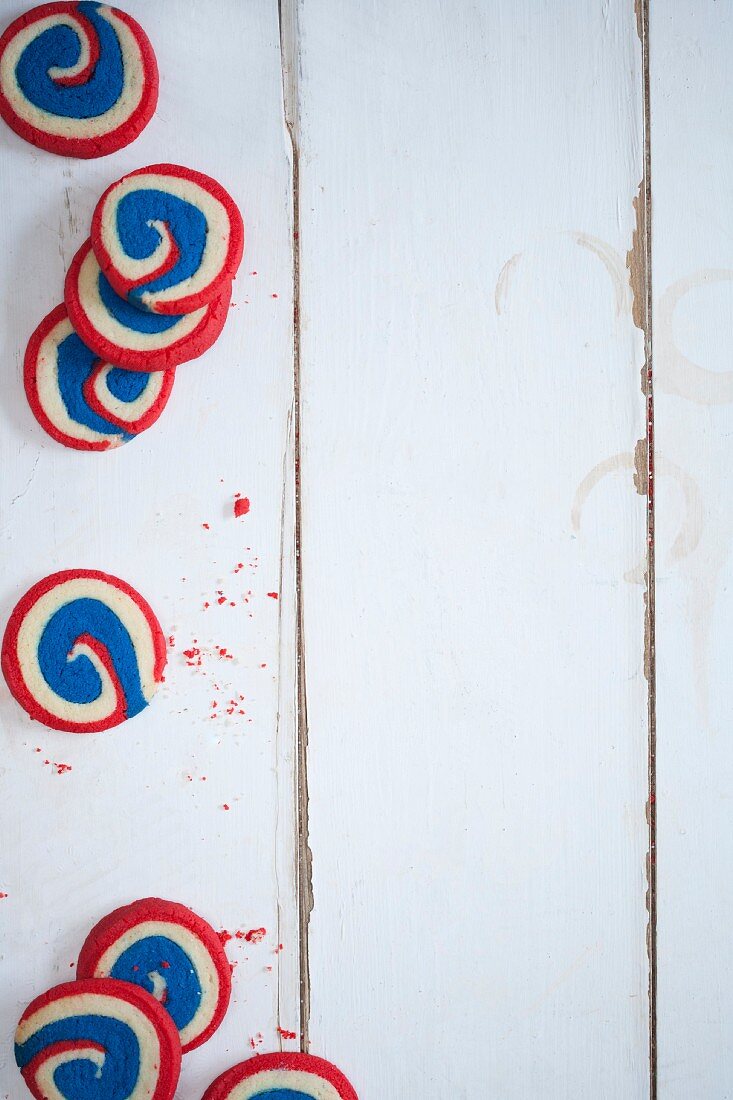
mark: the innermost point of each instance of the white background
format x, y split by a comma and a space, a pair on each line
472, 545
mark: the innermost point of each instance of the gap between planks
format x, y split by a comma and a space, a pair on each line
640, 262
290, 61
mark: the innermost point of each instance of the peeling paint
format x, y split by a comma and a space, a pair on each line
637, 266
641, 467
638, 261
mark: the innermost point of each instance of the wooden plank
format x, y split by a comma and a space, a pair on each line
142, 809
692, 174
473, 547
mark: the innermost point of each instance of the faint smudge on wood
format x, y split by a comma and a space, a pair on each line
608, 256
691, 528
608, 466
502, 283
613, 264
675, 373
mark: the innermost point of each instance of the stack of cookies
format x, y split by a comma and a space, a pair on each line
149, 290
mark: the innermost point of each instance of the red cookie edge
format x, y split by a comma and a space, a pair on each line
115, 924
170, 1047
288, 1060
188, 303
30, 375
188, 347
11, 670
86, 148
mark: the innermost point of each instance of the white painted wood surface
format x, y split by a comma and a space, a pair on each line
473, 547
692, 179
141, 811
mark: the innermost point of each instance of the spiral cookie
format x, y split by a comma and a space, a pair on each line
79, 79
79, 399
173, 954
83, 651
168, 239
105, 1040
287, 1076
121, 333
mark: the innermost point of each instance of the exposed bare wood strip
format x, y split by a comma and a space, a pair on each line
640, 277
289, 51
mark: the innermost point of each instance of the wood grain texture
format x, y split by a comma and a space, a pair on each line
473, 547
142, 810
692, 176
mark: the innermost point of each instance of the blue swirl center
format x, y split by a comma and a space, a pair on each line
138, 239
81, 1079
78, 681
127, 385
60, 46
282, 1094
159, 955
131, 316
75, 363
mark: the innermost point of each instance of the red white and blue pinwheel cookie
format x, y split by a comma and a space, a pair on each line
172, 953
168, 239
83, 651
290, 1075
103, 1039
78, 79
120, 333
82, 401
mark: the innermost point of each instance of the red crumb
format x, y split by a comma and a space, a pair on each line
206, 526
286, 1034
171, 640
225, 936
278, 949
3, 895
165, 965
221, 600
272, 595
38, 750
253, 272
225, 806
256, 1040
255, 935
193, 656
136, 968
274, 295
61, 768
241, 506
263, 666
